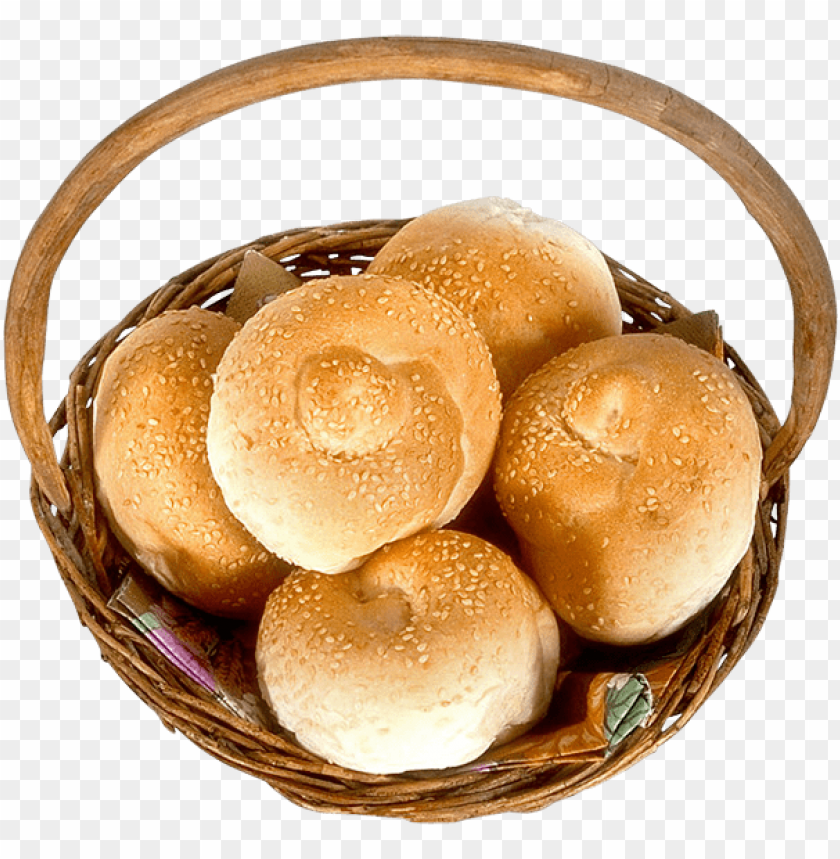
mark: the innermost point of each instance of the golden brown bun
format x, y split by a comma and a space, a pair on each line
351, 412
259, 281
153, 478
431, 652
629, 468
533, 286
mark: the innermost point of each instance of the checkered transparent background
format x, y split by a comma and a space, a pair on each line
86, 768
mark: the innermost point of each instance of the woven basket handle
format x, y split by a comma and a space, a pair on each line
762, 191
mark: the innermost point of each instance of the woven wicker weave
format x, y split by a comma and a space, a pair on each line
86, 553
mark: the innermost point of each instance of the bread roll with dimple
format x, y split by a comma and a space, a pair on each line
629, 468
153, 477
431, 652
533, 286
351, 412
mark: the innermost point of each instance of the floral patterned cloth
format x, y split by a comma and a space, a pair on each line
215, 653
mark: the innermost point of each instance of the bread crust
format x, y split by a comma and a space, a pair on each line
629, 468
349, 413
153, 476
534, 286
432, 651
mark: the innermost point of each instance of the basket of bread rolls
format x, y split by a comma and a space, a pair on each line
433, 518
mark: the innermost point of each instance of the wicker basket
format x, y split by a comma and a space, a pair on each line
63, 494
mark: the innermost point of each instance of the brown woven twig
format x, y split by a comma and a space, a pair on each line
89, 559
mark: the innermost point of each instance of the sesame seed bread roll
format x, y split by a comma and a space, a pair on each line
349, 413
533, 286
435, 649
153, 477
629, 468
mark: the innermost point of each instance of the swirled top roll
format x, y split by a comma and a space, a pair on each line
629, 468
349, 413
